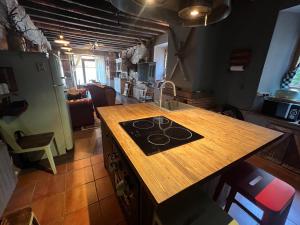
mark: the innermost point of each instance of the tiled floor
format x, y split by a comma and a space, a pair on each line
80, 194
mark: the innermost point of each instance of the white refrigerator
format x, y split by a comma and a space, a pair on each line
40, 81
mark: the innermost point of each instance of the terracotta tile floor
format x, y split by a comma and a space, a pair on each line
80, 194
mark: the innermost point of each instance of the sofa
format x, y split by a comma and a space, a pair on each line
81, 112
101, 95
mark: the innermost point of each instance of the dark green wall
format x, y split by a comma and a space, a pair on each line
250, 25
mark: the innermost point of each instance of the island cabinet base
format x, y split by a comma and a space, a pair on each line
135, 202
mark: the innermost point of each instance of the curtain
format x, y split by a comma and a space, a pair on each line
100, 69
288, 77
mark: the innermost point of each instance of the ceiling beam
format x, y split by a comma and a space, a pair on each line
90, 39
61, 26
44, 16
83, 32
65, 15
105, 6
73, 39
83, 42
93, 15
99, 38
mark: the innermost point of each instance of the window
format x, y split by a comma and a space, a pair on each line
160, 57
85, 70
89, 68
296, 80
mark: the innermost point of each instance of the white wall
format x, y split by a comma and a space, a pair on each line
159, 58
281, 51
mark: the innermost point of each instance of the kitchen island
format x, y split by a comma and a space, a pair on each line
165, 174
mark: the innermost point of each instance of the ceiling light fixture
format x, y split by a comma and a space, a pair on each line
151, 2
66, 48
194, 13
61, 40
69, 53
203, 12
195, 9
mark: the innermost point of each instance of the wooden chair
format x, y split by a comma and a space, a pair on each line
21, 217
29, 143
192, 207
273, 196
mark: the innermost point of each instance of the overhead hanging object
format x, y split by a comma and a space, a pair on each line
190, 13
203, 12
151, 2
61, 40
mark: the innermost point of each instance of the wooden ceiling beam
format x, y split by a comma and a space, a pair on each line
105, 6
45, 16
82, 32
90, 37
87, 40
65, 15
94, 15
61, 26
86, 43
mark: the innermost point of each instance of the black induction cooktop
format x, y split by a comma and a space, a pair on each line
157, 134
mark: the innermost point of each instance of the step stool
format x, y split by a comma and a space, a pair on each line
193, 207
272, 195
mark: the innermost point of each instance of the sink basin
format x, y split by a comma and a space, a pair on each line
172, 105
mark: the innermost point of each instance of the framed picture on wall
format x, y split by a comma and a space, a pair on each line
7, 76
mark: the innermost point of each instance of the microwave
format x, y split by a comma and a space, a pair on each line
283, 110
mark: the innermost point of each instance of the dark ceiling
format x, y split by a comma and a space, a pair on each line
83, 22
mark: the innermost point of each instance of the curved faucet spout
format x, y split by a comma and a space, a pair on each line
161, 90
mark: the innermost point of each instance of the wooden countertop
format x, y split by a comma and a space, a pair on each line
263, 120
165, 174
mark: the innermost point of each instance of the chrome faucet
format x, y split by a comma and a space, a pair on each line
161, 90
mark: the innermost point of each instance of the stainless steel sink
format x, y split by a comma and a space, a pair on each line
172, 105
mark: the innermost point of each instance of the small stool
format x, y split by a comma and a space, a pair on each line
21, 217
272, 195
192, 207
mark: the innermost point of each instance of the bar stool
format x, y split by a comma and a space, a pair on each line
272, 195
191, 208
21, 217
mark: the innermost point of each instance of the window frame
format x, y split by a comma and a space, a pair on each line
295, 62
83, 67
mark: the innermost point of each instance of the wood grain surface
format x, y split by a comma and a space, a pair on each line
226, 140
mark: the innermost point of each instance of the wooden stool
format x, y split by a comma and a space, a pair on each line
272, 195
191, 208
21, 217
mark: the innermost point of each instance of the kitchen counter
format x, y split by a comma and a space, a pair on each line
226, 140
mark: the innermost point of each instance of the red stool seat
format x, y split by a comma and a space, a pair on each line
276, 195
269, 193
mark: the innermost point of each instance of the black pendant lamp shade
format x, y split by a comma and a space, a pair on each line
189, 13
203, 12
